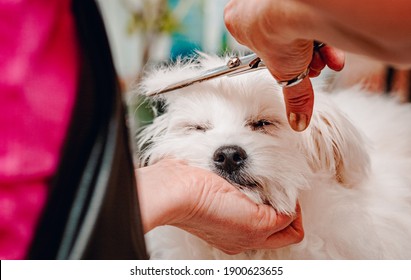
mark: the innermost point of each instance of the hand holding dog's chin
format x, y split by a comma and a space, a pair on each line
202, 203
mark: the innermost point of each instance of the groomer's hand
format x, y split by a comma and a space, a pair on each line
274, 30
204, 204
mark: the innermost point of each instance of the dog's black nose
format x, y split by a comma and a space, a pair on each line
229, 158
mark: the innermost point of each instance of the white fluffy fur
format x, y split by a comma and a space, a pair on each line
350, 170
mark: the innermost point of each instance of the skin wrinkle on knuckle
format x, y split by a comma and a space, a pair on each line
263, 223
295, 236
299, 233
300, 236
298, 101
295, 232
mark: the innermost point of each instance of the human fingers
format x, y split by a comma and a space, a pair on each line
272, 231
299, 99
257, 231
332, 57
287, 65
326, 56
299, 103
268, 221
291, 234
285, 58
317, 64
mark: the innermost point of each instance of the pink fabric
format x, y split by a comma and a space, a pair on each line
38, 79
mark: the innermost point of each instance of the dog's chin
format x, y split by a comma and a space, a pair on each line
247, 184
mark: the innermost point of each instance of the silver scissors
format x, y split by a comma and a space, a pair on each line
235, 66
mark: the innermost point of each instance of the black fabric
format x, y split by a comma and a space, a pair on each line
92, 211
409, 86
389, 78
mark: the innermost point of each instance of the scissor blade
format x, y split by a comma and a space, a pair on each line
234, 66
207, 75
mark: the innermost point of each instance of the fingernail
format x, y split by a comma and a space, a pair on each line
298, 122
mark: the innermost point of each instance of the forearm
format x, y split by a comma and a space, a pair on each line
167, 192
380, 29
156, 204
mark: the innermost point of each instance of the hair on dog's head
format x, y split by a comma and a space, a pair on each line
236, 127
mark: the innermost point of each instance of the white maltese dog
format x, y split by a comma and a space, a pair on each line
350, 169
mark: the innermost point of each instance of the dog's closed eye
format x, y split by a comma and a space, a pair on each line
200, 127
263, 125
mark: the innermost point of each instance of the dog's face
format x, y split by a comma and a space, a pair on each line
235, 127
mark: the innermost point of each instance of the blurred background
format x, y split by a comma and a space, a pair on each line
147, 32
142, 31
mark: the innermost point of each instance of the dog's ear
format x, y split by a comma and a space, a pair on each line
332, 143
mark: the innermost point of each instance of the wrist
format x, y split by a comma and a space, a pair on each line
163, 193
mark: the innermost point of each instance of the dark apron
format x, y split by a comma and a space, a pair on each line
92, 210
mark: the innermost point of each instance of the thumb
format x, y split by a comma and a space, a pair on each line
299, 102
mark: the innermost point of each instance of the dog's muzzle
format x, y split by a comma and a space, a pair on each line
230, 162
229, 159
